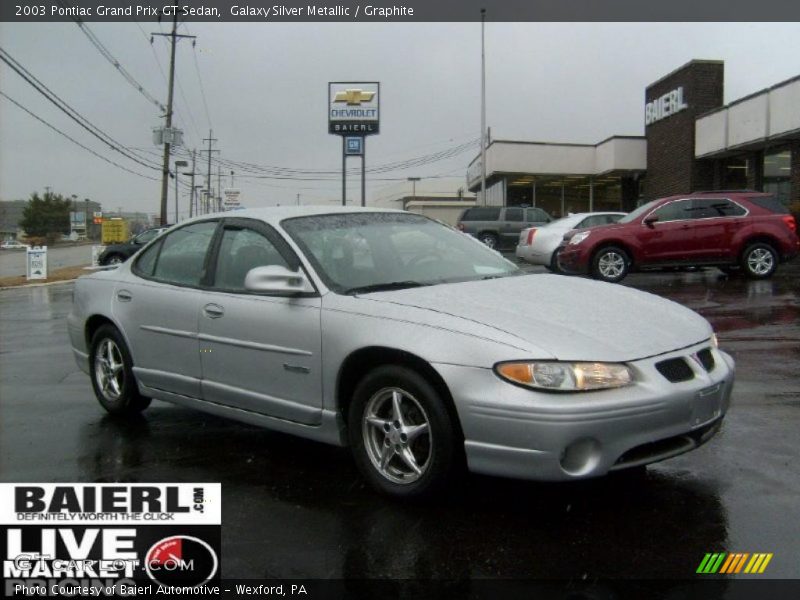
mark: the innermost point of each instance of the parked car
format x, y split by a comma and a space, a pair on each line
539, 245
732, 230
12, 245
119, 253
400, 337
498, 226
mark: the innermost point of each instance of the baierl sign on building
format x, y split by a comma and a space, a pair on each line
664, 106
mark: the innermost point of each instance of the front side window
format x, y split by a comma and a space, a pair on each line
183, 254
358, 252
240, 251
674, 211
537, 215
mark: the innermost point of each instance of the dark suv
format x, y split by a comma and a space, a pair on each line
733, 230
119, 253
499, 226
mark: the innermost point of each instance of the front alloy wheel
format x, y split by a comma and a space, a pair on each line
401, 434
610, 264
397, 435
759, 261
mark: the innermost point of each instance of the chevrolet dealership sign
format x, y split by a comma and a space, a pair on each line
353, 108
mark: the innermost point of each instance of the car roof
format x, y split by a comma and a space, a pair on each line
275, 214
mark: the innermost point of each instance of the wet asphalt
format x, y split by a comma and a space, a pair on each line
294, 508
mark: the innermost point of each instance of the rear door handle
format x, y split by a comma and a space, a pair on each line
124, 296
213, 311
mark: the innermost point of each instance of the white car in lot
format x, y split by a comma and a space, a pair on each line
12, 245
538, 245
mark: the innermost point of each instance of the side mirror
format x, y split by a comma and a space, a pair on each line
650, 220
276, 279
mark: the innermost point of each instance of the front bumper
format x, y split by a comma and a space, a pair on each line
573, 258
515, 432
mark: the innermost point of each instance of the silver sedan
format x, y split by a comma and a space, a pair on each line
413, 344
538, 245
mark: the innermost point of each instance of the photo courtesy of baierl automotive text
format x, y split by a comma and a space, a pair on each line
424, 299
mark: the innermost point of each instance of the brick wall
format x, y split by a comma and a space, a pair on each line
671, 166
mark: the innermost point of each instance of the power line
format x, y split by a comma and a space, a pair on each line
74, 141
68, 110
106, 53
202, 88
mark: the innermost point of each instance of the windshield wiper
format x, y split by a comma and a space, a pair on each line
382, 287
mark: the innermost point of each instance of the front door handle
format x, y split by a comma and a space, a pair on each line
213, 311
124, 296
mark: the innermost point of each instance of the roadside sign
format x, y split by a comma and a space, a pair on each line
353, 108
97, 250
231, 200
37, 262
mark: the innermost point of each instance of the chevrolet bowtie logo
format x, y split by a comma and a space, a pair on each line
354, 97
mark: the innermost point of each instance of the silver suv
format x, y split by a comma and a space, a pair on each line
500, 226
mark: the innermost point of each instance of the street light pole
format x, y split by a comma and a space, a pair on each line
483, 108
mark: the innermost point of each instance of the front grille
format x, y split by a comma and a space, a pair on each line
706, 359
675, 370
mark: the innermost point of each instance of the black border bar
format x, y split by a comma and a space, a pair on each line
371, 11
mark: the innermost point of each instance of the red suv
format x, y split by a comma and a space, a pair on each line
732, 230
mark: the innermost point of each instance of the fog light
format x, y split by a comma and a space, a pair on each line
581, 456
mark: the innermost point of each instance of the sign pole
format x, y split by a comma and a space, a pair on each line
344, 172
364, 171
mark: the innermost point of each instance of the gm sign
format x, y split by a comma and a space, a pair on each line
353, 108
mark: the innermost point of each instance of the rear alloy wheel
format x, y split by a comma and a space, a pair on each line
400, 432
610, 264
489, 239
759, 261
112, 374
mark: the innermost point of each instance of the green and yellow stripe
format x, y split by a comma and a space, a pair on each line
730, 563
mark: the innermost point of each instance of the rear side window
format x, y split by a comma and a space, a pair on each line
481, 214
514, 214
770, 203
147, 260
536, 215
183, 254
709, 208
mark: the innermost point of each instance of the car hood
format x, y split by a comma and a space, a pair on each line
562, 317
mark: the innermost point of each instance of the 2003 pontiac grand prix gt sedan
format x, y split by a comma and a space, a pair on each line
404, 339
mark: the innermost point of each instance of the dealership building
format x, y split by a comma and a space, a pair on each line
693, 141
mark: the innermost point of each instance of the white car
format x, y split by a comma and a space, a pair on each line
538, 245
12, 245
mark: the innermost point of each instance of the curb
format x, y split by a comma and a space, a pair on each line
32, 285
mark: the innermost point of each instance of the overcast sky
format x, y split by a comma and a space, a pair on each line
266, 87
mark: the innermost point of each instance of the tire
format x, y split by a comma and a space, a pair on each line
111, 372
113, 259
759, 261
489, 239
426, 435
610, 264
553, 266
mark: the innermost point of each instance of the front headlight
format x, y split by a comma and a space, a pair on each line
565, 377
579, 237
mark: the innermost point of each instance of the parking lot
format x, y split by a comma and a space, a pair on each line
293, 508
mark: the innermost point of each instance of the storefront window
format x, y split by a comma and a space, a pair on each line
777, 168
735, 174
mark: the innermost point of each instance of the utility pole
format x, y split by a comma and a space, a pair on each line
298, 199
483, 109
168, 125
191, 193
209, 190
219, 188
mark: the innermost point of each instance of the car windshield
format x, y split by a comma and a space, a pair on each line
363, 252
633, 216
